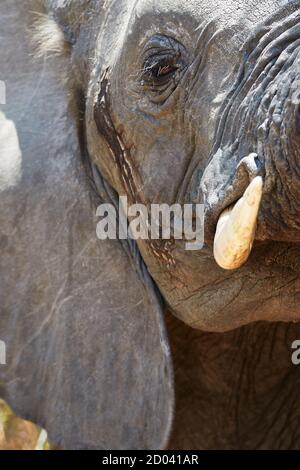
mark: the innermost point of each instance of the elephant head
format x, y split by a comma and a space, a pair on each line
169, 102
189, 105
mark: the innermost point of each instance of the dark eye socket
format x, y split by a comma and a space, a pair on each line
160, 67
162, 57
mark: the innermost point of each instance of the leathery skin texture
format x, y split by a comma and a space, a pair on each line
186, 139
94, 117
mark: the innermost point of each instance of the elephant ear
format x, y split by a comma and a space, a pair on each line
87, 356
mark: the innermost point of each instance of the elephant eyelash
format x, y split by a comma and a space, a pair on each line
164, 62
159, 69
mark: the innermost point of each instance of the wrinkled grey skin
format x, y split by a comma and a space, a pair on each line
84, 313
186, 141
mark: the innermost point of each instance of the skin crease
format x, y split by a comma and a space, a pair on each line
170, 144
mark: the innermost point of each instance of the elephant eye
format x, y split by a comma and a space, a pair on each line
163, 60
159, 69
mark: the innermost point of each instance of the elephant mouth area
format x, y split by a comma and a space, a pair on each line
277, 256
265, 288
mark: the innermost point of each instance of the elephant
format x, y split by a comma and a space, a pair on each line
142, 344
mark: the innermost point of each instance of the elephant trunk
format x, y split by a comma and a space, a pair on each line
258, 134
280, 141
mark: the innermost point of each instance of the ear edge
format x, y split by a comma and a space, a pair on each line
47, 37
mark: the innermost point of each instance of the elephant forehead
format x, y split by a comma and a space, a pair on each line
224, 10
131, 20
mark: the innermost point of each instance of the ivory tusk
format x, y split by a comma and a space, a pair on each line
236, 228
